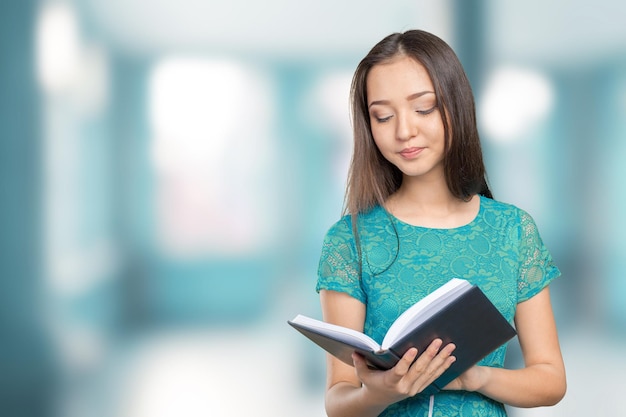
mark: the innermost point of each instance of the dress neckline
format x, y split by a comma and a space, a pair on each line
443, 229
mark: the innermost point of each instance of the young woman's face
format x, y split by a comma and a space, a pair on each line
406, 123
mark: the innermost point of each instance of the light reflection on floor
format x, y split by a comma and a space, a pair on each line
237, 373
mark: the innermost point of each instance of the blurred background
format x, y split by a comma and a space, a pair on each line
168, 169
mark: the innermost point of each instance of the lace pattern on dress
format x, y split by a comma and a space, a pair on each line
339, 262
535, 259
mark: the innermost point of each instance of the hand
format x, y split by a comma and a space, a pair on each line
409, 377
471, 380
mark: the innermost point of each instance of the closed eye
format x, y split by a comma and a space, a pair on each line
426, 112
383, 119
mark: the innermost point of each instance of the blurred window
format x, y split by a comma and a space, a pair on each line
211, 151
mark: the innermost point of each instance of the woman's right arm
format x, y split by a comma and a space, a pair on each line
362, 392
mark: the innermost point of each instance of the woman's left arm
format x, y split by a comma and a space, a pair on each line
542, 380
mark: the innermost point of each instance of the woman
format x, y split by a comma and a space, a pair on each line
418, 213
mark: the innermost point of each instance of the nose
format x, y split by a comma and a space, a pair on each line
406, 127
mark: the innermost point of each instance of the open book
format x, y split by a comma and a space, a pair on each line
457, 312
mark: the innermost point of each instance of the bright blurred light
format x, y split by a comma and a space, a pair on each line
196, 100
211, 150
329, 106
222, 374
70, 69
331, 100
58, 46
515, 101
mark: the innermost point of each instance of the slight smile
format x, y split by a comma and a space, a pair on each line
410, 153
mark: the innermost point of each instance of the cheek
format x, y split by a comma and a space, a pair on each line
382, 133
380, 142
437, 130
376, 136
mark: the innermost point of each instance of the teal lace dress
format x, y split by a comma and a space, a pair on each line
500, 251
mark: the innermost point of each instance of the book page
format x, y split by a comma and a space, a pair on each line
424, 308
339, 333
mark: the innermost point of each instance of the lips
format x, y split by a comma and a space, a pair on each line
410, 153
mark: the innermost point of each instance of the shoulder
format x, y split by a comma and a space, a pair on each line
493, 210
340, 234
341, 226
499, 206
367, 220
515, 221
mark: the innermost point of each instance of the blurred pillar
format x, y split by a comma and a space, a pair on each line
132, 191
25, 365
469, 26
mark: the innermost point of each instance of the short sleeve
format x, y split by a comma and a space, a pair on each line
339, 262
537, 269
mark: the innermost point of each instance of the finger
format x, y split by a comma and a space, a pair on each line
404, 364
445, 358
432, 358
429, 354
438, 364
360, 364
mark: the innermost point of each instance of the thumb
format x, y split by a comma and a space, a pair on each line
360, 364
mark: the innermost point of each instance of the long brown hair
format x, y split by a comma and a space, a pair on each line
371, 178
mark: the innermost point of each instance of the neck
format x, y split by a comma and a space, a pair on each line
430, 204
425, 194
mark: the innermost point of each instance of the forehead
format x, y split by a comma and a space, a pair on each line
402, 75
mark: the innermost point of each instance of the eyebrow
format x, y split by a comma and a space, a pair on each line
408, 98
